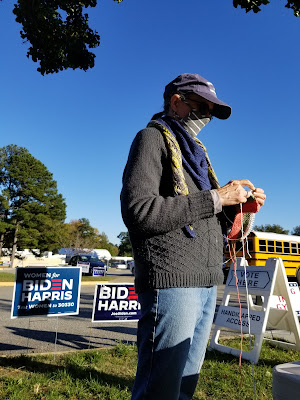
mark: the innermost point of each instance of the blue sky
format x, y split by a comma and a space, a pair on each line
81, 124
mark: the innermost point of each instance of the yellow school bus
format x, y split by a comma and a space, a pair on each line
262, 245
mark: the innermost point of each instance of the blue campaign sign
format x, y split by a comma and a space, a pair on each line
115, 302
46, 291
99, 271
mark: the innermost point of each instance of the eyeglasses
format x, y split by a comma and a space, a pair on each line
202, 106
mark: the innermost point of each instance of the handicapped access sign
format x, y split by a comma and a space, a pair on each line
48, 291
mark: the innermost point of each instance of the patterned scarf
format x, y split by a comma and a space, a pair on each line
190, 153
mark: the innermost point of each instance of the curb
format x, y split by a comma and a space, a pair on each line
7, 283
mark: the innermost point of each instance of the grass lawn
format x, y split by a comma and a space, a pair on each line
108, 374
7, 277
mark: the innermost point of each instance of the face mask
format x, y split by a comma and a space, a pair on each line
193, 123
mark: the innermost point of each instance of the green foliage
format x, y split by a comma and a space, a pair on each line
31, 210
250, 5
79, 235
109, 374
254, 5
123, 349
125, 248
296, 231
60, 36
271, 228
7, 277
106, 244
58, 32
87, 278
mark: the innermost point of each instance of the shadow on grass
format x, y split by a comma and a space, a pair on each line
27, 364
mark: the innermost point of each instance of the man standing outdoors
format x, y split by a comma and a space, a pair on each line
176, 214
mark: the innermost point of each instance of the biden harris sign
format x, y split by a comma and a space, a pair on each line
47, 291
115, 302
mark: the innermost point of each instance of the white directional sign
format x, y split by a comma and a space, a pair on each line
277, 311
255, 279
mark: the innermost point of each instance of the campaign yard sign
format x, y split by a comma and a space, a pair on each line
115, 302
99, 271
280, 303
85, 266
47, 291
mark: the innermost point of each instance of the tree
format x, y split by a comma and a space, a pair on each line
254, 5
271, 228
4, 210
125, 248
81, 236
58, 33
106, 244
60, 37
32, 211
296, 231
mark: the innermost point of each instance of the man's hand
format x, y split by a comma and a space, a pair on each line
234, 193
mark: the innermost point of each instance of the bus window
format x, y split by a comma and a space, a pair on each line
262, 245
286, 247
294, 248
270, 246
298, 248
278, 247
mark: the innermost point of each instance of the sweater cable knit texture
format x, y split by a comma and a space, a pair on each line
164, 255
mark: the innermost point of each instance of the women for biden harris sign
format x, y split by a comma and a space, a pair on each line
46, 291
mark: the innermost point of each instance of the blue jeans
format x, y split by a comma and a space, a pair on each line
172, 337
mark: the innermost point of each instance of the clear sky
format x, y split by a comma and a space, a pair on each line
81, 124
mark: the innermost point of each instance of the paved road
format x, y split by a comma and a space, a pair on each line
49, 334
38, 334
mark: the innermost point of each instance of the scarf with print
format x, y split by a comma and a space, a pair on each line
187, 152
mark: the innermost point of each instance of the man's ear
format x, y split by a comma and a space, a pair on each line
174, 101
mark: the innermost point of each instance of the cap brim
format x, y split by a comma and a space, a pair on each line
221, 109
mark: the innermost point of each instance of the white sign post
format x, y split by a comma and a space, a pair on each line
267, 282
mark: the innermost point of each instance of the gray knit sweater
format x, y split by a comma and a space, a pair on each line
164, 255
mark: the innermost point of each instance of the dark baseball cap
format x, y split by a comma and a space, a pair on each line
194, 83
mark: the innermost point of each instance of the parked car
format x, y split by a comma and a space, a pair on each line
131, 266
93, 261
119, 264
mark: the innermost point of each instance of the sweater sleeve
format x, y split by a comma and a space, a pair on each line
144, 209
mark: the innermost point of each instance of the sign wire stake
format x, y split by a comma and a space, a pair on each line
55, 341
28, 335
90, 336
